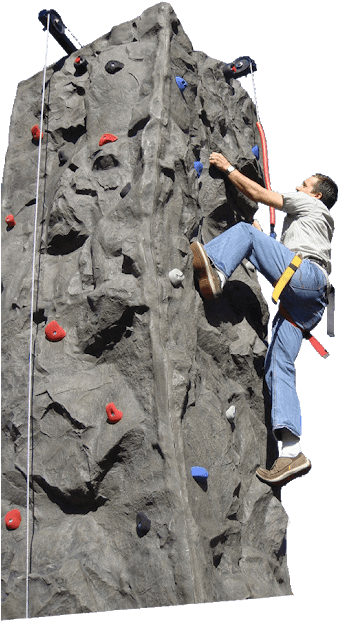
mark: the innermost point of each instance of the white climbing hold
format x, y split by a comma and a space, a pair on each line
230, 413
176, 277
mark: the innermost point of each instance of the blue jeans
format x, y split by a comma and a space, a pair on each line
304, 298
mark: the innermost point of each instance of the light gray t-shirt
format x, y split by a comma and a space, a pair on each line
308, 227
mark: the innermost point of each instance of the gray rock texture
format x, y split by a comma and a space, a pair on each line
117, 520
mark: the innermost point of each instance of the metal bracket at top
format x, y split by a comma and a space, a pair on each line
57, 29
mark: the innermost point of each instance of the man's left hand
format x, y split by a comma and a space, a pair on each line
217, 159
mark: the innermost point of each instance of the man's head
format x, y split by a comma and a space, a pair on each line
321, 187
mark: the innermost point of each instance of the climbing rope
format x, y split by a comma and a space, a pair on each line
265, 158
30, 371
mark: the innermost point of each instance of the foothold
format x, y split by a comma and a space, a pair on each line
125, 190
62, 157
198, 167
181, 83
54, 332
200, 474
255, 151
113, 66
80, 64
10, 221
114, 415
13, 519
176, 277
143, 524
36, 133
230, 413
107, 138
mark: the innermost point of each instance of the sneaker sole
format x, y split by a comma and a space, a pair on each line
207, 280
284, 478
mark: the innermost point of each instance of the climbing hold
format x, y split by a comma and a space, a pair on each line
13, 519
62, 157
198, 167
230, 413
125, 190
36, 133
114, 415
182, 84
239, 68
10, 221
143, 524
255, 151
80, 64
113, 66
107, 138
54, 332
176, 277
200, 474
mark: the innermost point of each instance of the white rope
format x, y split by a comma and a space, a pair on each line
254, 90
30, 372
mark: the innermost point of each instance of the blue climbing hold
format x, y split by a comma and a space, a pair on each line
255, 151
182, 84
200, 474
198, 167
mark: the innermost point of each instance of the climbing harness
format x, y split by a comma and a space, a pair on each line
57, 29
264, 156
306, 334
286, 277
30, 370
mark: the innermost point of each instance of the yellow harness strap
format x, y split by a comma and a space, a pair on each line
286, 277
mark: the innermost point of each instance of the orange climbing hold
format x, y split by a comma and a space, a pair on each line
107, 138
36, 133
114, 415
10, 221
54, 332
13, 519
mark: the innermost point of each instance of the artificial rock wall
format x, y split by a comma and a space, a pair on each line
114, 220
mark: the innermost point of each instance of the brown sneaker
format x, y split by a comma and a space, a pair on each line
208, 279
284, 470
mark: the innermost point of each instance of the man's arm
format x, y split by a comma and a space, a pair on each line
250, 188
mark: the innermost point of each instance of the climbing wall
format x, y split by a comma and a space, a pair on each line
148, 415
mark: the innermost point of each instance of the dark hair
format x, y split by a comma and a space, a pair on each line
328, 189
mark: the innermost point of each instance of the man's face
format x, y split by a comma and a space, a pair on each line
307, 186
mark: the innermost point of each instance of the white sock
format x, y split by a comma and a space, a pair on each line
290, 445
222, 278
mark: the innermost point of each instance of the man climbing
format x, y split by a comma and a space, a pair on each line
307, 232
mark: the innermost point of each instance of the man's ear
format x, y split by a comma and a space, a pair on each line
318, 195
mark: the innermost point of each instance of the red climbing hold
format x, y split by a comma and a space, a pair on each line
107, 138
10, 220
54, 332
114, 415
13, 519
36, 133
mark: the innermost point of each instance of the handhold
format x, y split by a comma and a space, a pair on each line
13, 519
255, 151
36, 133
125, 190
114, 415
62, 157
107, 138
176, 277
200, 474
230, 413
80, 64
10, 221
113, 66
181, 83
198, 167
143, 524
54, 332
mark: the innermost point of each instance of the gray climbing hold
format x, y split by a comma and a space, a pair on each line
143, 524
176, 277
230, 413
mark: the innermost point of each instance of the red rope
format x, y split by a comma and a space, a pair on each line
266, 168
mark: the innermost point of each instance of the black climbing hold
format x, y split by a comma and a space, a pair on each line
239, 68
62, 157
142, 524
57, 29
113, 66
80, 64
125, 190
